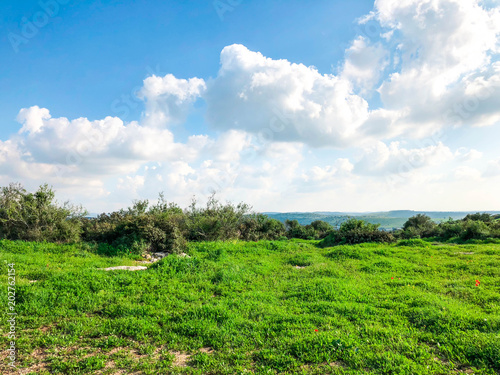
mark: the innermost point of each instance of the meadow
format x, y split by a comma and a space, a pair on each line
267, 307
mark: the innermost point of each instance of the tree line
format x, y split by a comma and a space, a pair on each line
165, 227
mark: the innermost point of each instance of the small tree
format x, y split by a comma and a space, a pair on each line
419, 226
484, 217
37, 216
322, 228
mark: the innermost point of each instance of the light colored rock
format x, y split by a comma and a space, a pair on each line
125, 268
160, 255
184, 255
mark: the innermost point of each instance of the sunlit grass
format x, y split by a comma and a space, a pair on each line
266, 307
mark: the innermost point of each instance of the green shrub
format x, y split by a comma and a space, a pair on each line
37, 216
355, 237
474, 230
257, 227
449, 229
355, 231
484, 217
419, 226
137, 229
322, 228
295, 230
215, 221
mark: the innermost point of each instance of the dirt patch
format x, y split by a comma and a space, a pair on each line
181, 359
46, 328
337, 364
38, 356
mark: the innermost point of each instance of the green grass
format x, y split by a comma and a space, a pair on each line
265, 308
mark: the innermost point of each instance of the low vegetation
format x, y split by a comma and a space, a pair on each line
264, 307
242, 293
166, 227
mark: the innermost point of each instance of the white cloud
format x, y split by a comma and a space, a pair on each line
285, 101
447, 77
493, 168
104, 147
331, 173
169, 99
364, 64
381, 159
467, 174
273, 115
464, 154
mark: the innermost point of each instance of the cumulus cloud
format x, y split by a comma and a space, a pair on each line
434, 66
381, 159
365, 63
446, 75
105, 146
284, 101
169, 99
464, 154
330, 173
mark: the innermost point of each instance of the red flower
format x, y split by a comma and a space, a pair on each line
315, 330
392, 278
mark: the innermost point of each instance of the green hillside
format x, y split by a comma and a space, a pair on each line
387, 219
268, 307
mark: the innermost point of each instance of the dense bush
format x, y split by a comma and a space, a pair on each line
37, 216
419, 226
478, 226
138, 228
322, 228
316, 230
355, 231
295, 230
215, 221
165, 227
258, 226
484, 217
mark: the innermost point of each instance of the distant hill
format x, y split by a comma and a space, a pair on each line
386, 219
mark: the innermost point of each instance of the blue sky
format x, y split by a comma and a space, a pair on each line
93, 52
288, 105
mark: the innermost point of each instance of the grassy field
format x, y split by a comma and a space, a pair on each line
265, 308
